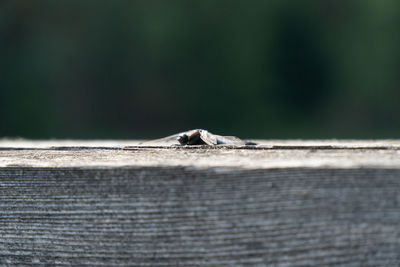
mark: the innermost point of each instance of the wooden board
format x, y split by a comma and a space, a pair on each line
285, 203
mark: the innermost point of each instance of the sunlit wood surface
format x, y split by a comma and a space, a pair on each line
118, 203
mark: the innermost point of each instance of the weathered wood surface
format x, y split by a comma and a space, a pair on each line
286, 203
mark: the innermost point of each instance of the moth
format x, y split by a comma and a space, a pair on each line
200, 137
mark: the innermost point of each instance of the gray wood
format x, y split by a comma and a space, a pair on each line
284, 203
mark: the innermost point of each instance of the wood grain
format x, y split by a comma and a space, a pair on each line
104, 206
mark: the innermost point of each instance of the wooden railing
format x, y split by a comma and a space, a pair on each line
283, 203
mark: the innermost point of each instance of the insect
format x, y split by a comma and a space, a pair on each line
200, 137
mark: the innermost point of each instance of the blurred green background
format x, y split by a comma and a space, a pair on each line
145, 69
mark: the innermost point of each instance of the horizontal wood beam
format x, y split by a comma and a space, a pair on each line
284, 203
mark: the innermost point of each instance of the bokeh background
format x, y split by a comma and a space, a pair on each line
146, 69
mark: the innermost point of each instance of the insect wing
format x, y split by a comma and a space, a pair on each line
230, 140
208, 138
169, 140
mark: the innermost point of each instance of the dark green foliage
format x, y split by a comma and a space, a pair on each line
143, 69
